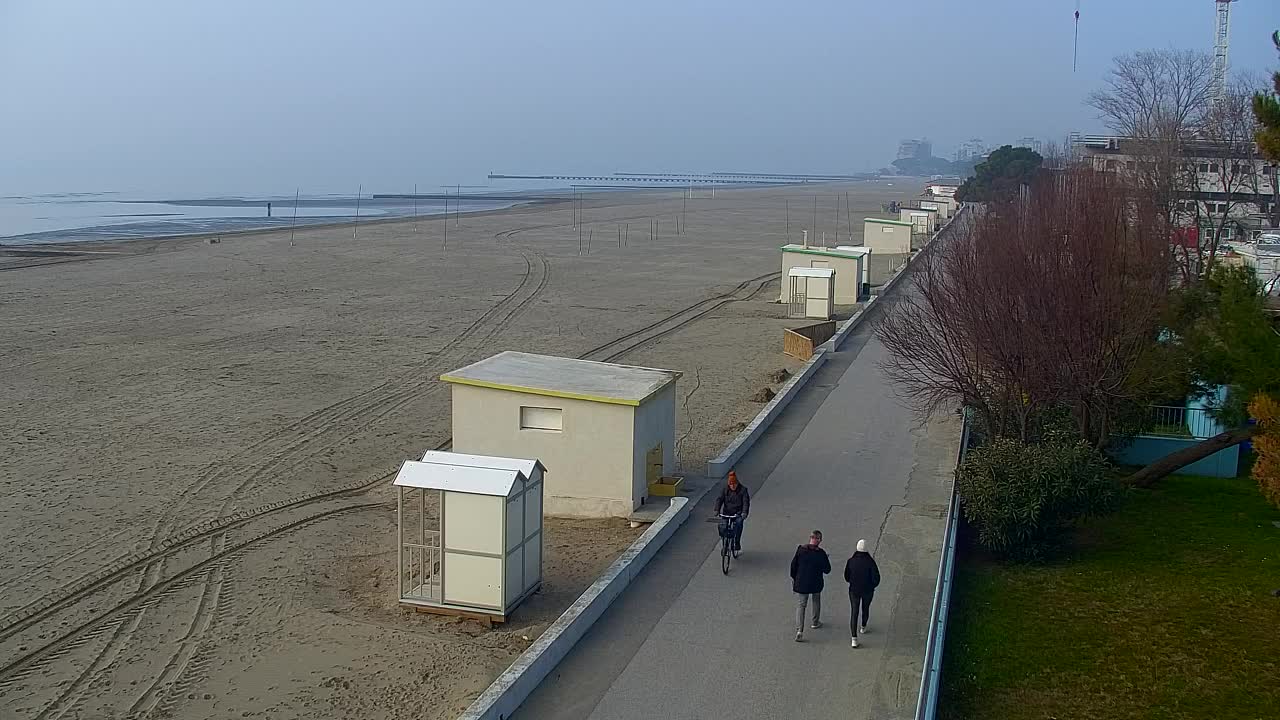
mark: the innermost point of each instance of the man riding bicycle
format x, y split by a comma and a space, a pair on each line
734, 499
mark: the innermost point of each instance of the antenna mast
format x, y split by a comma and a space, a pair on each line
1221, 44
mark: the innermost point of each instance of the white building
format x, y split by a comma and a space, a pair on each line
608, 430
886, 236
923, 220
943, 188
944, 205
812, 292
1235, 193
470, 533
849, 263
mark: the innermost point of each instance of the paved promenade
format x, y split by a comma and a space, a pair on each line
686, 641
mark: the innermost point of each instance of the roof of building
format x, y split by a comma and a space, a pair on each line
841, 251
458, 478
811, 272
886, 222
526, 467
917, 209
854, 250
564, 377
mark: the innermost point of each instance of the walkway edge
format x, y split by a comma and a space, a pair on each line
510, 689
720, 466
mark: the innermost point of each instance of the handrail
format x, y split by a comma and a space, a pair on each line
930, 679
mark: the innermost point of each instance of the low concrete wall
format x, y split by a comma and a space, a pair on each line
1144, 450
511, 688
720, 466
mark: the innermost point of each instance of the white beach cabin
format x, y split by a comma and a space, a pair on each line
470, 533
924, 220
849, 263
608, 430
887, 236
812, 292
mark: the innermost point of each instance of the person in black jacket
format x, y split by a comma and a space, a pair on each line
808, 566
863, 576
735, 499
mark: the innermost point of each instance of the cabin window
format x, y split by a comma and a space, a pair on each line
541, 418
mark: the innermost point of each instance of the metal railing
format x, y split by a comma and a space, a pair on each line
1180, 422
930, 680
420, 577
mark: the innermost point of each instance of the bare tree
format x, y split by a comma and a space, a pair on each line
1156, 94
1050, 301
1155, 100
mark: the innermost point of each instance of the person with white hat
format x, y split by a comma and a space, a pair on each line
863, 576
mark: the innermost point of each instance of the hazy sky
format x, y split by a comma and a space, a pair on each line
168, 97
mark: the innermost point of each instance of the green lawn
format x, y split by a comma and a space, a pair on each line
1163, 610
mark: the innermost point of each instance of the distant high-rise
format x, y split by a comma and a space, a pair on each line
920, 149
973, 148
1033, 143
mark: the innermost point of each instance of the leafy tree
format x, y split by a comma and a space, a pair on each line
1224, 327
1267, 444
1021, 498
999, 178
1266, 110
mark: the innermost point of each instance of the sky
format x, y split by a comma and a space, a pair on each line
164, 98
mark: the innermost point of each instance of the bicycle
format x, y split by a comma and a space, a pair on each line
728, 529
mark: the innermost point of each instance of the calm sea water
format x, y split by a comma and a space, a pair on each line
87, 217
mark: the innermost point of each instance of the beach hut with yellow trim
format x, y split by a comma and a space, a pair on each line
609, 430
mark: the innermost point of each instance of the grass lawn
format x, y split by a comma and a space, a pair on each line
1163, 610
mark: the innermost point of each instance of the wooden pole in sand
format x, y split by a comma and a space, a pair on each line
457, 208
835, 221
444, 220
415, 207
356, 230
848, 217
294, 221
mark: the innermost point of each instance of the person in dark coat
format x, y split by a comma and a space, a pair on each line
735, 499
863, 576
808, 566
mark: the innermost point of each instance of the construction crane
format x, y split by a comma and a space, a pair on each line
1221, 43
1075, 43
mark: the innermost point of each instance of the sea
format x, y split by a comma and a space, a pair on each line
111, 216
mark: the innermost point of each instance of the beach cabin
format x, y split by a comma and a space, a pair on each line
943, 189
887, 236
848, 263
945, 206
812, 292
470, 533
923, 220
608, 430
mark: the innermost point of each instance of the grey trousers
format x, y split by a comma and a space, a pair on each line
803, 603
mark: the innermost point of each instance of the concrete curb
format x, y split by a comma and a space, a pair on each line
510, 689
720, 466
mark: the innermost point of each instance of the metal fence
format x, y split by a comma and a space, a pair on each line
927, 703
1181, 422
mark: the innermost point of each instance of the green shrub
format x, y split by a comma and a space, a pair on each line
1021, 498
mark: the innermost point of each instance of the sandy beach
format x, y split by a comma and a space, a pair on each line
196, 439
